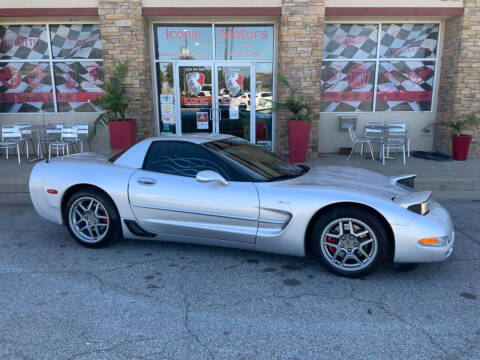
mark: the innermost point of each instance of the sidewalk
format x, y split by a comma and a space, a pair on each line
455, 180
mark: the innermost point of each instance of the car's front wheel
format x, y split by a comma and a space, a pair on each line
350, 241
91, 218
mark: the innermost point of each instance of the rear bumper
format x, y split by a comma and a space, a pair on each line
437, 223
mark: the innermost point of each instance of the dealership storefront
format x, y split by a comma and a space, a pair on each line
200, 68
215, 78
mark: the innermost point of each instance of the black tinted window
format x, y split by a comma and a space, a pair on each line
181, 158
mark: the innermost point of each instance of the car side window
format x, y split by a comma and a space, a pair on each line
181, 158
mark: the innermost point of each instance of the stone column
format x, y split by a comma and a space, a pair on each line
300, 59
459, 91
125, 38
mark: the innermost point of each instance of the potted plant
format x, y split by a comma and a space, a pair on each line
461, 142
299, 125
113, 102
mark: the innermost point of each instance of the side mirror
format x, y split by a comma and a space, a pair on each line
211, 176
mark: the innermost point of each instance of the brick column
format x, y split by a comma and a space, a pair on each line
459, 91
125, 39
300, 59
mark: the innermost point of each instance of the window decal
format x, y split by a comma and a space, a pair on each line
350, 41
78, 85
25, 87
405, 86
23, 42
76, 41
347, 86
409, 41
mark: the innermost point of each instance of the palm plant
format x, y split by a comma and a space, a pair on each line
459, 125
294, 102
113, 101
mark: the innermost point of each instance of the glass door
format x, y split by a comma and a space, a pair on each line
195, 97
235, 97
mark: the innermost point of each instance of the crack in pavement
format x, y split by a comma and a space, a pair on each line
187, 326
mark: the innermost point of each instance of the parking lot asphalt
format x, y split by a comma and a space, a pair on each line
158, 300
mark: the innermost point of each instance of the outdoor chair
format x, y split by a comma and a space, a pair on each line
401, 125
11, 139
69, 137
359, 140
26, 135
82, 131
53, 131
395, 140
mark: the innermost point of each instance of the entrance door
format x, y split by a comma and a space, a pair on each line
236, 99
195, 96
216, 98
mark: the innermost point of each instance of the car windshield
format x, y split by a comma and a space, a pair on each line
260, 164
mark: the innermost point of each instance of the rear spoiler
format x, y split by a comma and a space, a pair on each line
405, 180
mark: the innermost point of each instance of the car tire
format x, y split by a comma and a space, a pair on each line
92, 218
349, 253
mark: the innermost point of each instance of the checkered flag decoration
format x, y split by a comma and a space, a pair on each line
409, 41
347, 86
23, 42
25, 87
78, 84
76, 41
405, 86
350, 41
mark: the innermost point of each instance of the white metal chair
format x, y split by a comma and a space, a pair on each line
401, 125
11, 139
69, 137
359, 140
82, 131
26, 135
395, 140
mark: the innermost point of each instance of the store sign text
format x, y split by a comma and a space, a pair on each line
243, 34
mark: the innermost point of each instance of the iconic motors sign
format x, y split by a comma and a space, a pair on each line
232, 42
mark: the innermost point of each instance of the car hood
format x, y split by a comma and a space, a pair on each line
350, 179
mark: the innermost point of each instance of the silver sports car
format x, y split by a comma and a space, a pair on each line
221, 190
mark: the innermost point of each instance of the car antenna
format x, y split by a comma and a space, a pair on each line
45, 135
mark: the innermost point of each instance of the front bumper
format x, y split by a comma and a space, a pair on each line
437, 223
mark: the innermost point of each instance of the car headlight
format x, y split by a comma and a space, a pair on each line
421, 208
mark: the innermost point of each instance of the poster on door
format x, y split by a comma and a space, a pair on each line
202, 120
233, 112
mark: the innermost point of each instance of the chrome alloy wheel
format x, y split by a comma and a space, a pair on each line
89, 219
349, 244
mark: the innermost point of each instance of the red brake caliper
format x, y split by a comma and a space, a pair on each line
331, 249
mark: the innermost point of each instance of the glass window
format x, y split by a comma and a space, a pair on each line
76, 41
347, 86
25, 87
350, 41
183, 42
243, 42
259, 164
27, 68
23, 42
409, 41
166, 98
264, 105
180, 158
78, 84
405, 86
402, 84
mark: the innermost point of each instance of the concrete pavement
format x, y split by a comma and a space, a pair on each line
155, 300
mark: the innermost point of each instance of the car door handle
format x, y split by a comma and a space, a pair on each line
146, 181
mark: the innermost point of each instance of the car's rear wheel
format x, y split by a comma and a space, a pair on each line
91, 218
350, 241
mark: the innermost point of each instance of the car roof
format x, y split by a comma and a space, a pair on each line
134, 156
197, 138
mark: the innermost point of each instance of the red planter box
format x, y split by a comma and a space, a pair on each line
122, 133
461, 145
298, 138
